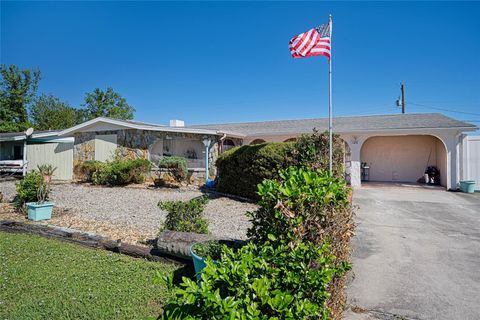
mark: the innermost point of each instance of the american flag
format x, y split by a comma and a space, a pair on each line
314, 42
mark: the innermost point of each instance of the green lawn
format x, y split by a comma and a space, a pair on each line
48, 279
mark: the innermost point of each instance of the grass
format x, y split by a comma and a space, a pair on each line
48, 279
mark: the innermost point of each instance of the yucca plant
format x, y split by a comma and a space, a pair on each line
47, 171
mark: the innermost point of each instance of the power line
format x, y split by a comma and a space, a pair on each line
443, 109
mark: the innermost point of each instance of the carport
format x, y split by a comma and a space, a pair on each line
403, 158
19, 152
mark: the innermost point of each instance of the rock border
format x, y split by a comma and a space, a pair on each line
89, 240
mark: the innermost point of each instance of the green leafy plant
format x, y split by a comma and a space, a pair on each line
241, 169
27, 189
259, 282
176, 166
312, 151
118, 172
213, 248
86, 169
307, 206
186, 216
288, 269
299, 207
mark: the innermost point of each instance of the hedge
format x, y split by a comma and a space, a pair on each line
118, 172
241, 169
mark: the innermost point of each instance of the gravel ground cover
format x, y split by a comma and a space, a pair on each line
130, 213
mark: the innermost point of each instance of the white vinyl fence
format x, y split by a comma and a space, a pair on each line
471, 163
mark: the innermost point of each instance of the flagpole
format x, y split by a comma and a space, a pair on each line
330, 97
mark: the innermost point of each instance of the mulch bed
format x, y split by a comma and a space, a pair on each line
63, 218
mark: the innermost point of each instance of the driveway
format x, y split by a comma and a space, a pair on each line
416, 254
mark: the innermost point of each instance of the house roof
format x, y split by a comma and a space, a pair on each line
410, 121
19, 136
130, 124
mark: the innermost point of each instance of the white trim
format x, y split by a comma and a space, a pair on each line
21, 136
137, 126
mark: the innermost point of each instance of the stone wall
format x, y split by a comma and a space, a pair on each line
132, 144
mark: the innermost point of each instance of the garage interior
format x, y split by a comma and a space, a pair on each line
403, 158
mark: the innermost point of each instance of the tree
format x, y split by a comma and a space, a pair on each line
17, 91
108, 103
49, 113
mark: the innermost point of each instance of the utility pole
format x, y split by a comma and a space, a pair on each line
402, 89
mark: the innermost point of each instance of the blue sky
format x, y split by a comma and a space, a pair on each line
211, 62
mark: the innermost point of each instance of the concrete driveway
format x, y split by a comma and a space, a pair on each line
416, 254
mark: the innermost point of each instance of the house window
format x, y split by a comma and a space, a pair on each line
17, 152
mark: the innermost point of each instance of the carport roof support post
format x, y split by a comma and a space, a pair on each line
24, 164
206, 143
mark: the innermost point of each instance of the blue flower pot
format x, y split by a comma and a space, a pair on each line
467, 186
37, 212
198, 263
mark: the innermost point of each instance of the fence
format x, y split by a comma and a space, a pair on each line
471, 163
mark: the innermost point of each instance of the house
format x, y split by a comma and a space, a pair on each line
393, 147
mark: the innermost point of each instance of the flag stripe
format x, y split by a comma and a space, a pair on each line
314, 42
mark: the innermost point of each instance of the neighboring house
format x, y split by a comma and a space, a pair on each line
19, 153
394, 147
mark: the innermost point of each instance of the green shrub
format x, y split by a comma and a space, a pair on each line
186, 216
137, 170
259, 282
177, 166
288, 270
87, 168
27, 188
312, 151
241, 169
297, 207
307, 206
119, 172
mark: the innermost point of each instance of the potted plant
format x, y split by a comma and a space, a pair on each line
41, 209
210, 248
47, 171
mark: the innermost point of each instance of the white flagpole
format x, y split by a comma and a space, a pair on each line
330, 97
